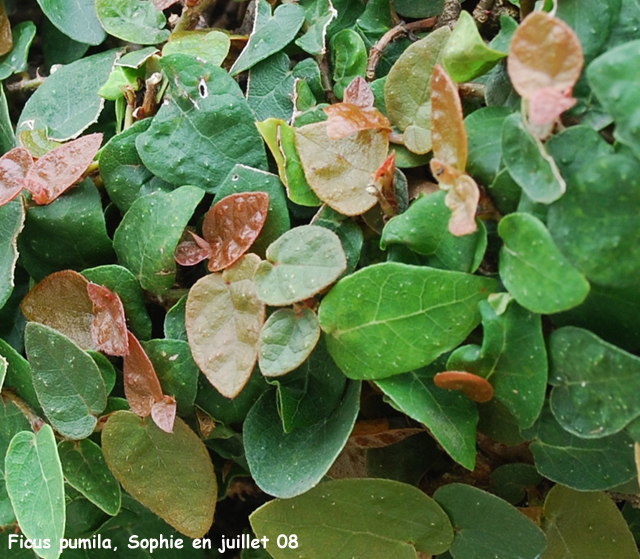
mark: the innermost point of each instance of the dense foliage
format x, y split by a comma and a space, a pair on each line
356, 278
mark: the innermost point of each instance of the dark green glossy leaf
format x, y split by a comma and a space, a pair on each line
59, 48
626, 27
107, 370
67, 380
36, 487
204, 102
174, 322
318, 16
484, 127
479, 520
348, 59
69, 233
170, 473
15, 61
132, 20
418, 8
533, 269
271, 33
286, 465
74, 87
75, 18
19, 376
85, 469
373, 317
349, 233
357, 518
146, 239
510, 481
7, 137
424, 228
12, 421
11, 223
270, 88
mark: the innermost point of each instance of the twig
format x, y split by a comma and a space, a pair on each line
482, 11
472, 90
526, 7
150, 101
191, 14
325, 75
450, 14
396, 32
32, 417
26, 84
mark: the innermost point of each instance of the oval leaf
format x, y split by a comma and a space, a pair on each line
171, 474
109, 326
163, 413
76, 19
223, 318
301, 263
12, 217
346, 119
141, 385
14, 167
131, 20
474, 387
232, 225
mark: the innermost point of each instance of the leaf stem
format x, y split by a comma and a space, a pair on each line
26, 84
191, 15
32, 417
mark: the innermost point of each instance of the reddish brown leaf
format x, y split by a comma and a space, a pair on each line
232, 225
474, 387
109, 326
346, 119
61, 168
192, 251
383, 186
359, 93
545, 52
6, 37
14, 167
163, 413
448, 134
61, 301
548, 104
141, 385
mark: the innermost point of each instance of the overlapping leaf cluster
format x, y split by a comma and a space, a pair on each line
298, 250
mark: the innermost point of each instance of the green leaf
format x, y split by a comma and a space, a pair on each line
169, 473
424, 228
136, 58
569, 521
392, 318
174, 321
301, 263
356, 518
204, 102
479, 520
176, 370
122, 282
15, 61
11, 223
583, 464
85, 469
348, 231
418, 8
7, 136
12, 421
533, 269
595, 224
286, 465
271, 33
286, 340
7, 516
149, 233
528, 162
594, 384
75, 18
75, 87
449, 414
311, 392
318, 15
131, 20
270, 88
19, 376
58, 48
466, 56
245, 179
407, 91
107, 370
348, 13
67, 380
626, 26
510, 481
120, 79
224, 317
211, 47
348, 59
484, 127
36, 487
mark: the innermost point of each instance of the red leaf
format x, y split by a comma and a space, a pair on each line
383, 180
547, 104
232, 225
474, 387
109, 326
192, 251
14, 167
61, 168
163, 413
141, 385
359, 93
346, 119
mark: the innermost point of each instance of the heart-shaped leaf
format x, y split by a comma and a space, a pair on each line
109, 326
169, 473
132, 20
224, 317
301, 263
474, 387
14, 167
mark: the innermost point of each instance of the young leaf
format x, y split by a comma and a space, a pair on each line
346, 119
163, 413
462, 197
232, 225
14, 167
348, 59
211, 47
67, 380
359, 93
286, 340
61, 168
363, 518
11, 223
192, 251
474, 387
172, 474
36, 487
223, 318
61, 301
109, 326
141, 385
339, 171
384, 186
301, 263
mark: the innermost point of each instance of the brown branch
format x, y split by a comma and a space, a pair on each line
482, 11
472, 90
33, 418
398, 31
325, 76
450, 14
